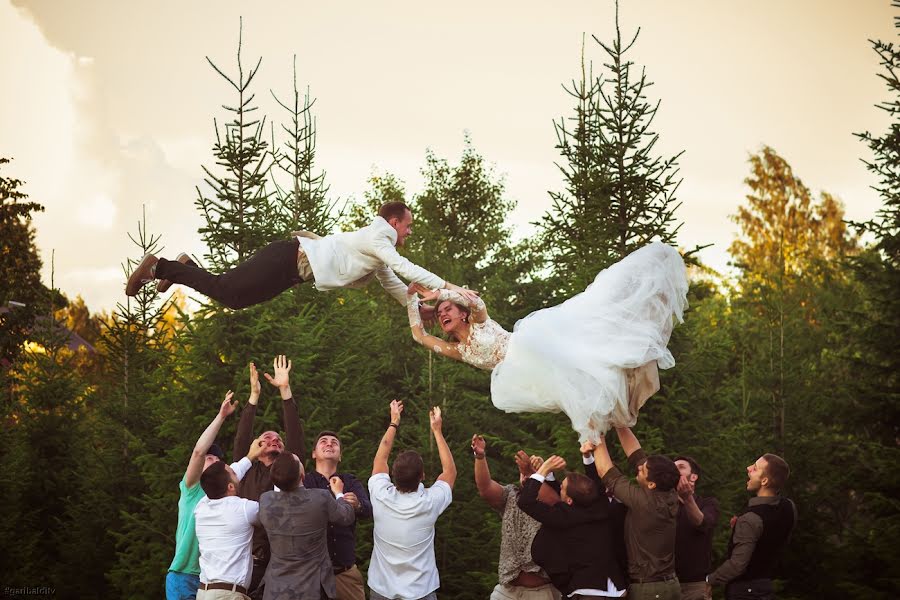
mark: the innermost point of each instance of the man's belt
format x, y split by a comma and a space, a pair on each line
224, 586
338, 569
657, 579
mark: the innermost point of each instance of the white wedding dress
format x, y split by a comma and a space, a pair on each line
595, 356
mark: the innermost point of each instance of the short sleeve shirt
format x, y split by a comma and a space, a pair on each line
403, 563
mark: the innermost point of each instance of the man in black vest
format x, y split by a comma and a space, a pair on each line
697, 517
758, 535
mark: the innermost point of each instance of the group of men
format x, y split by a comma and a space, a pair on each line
264, 528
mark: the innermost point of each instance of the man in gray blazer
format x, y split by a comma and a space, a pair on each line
341, 260
296, 520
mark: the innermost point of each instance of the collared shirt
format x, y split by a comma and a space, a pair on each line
649, 524
403, 563
341, 538
693, 543
747, 530
225, 533
187, 551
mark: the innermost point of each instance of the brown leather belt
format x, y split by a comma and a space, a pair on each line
224, 586
341, 569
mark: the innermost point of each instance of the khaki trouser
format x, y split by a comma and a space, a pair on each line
350, 585
518, 592
695, 590
220, 595
657, 590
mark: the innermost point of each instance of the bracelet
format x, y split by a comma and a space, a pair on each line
396, 425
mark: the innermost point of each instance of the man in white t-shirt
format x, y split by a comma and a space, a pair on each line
224, 524
405, 511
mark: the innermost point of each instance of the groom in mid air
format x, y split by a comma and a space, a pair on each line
340, 260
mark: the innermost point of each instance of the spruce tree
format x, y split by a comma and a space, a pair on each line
304, 201
239, 211
620, 194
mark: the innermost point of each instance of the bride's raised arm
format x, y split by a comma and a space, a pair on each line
435, 344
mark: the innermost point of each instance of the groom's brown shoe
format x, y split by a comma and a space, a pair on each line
164, 284
143, 273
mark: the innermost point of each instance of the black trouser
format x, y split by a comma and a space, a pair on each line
261, 277
751, 589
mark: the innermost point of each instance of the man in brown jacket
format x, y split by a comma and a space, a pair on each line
652, 511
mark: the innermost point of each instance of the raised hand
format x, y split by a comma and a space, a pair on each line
396, 409
227, 407
434, 415
554, 463
470, 295
523, 461
478, 446
587, 448
282, 372
254, 384
685, 489
336, 485
256, 448
536, 462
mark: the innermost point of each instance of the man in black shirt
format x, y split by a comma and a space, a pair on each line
696, 521
341, 538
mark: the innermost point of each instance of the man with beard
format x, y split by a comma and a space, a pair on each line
759, 534
258, 479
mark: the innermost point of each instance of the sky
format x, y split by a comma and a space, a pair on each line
107, 107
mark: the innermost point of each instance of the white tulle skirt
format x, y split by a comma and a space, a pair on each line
594, 356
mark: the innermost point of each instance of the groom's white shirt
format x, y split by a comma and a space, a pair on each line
351, 259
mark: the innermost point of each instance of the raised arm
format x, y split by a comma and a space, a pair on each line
244, 434
490, 490
629, 441
435, 344
293, 428
206, 439
448, 467
380, 464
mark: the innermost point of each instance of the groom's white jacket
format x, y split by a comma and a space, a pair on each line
350, 260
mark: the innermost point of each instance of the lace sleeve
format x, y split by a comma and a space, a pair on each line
418, 331
478, 308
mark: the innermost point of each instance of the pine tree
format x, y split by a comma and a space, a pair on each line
620, 194
239, 213
304, 203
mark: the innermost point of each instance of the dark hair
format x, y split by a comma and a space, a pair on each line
215, 480
777, 470
391, 210
581, 489
663, 472
695, 468
331, 433
462, 308
407, 471
284, 472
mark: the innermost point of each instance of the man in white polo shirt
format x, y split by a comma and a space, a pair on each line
224, 524
405, 511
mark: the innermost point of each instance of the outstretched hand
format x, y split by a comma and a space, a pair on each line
434, 415
227, 406
255, 388
554, 463
523, 461
282, 372
396, 410
478, 446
